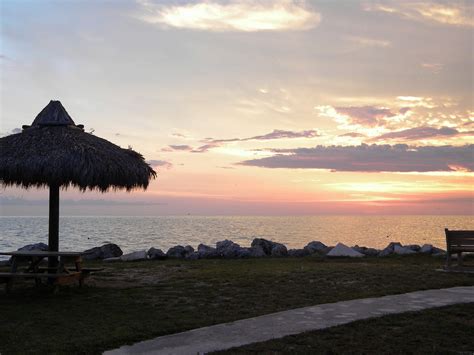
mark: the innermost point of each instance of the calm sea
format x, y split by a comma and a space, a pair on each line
137, 233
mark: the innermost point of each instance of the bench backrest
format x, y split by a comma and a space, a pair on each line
459, 238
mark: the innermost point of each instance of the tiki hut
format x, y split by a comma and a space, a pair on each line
54, 152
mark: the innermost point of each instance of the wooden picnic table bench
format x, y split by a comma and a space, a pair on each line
458, 242
62, 274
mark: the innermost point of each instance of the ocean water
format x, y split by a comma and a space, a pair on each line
138, 233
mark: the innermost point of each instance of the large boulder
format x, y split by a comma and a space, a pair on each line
366, 251
156, 254
389, 249
426, 249
298, 252
343, 250
188, 250
401, 250
414, 247
33, 247
264, 244
206, 252
106, 251
316, 247
192, 256
177, 252
228, 249
256, 252
135, 256
279, 250
268, 246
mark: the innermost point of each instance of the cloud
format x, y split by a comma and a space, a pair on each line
353, 135
367, 116
275, 134
421, 133
369, 42
247, 16
214, 143
182, 147
372, 158
449, 13
433, 67
160, 163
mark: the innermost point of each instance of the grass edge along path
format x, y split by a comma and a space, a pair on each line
441, 330
295, 321
131, 302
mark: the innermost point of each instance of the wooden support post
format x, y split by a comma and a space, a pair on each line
53, 238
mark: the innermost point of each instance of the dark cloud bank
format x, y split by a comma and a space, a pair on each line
371, 158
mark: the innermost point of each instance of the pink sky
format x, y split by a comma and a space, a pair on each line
279, 107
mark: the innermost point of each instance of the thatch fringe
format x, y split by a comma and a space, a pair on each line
66, 155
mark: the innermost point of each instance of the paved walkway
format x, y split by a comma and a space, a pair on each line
278, 325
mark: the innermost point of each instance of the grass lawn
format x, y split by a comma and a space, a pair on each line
129, 302
446, 330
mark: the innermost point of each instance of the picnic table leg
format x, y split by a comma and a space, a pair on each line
78, 263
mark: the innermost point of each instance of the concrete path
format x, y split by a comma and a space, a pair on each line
278, 325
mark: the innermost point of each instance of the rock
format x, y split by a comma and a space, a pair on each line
192, 256
228, 249
435, 250
206, 252
426, 249
268, 246
389, 249
106, 251
177, 252
401, 250
414, 247
135, 256
156, 254
279, 250
343, 250
366, 251
244, 253
112, 260
188, 250
36, 246
316, 247
298, 252
256, 252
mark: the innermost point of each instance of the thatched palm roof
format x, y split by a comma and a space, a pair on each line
54, 151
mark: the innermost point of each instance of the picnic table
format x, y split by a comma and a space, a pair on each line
68, 269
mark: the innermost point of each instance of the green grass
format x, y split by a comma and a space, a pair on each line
447, 330
129, 302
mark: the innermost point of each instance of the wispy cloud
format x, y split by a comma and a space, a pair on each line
363, 116
372, 158
210, 143
419, 133
369, 42
160, 163
245, 16
275, 134
458, 13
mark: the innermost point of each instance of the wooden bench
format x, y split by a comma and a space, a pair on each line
458, 242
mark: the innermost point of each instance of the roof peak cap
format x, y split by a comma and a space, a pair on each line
54, 114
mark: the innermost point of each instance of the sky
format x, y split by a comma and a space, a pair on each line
254, 107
